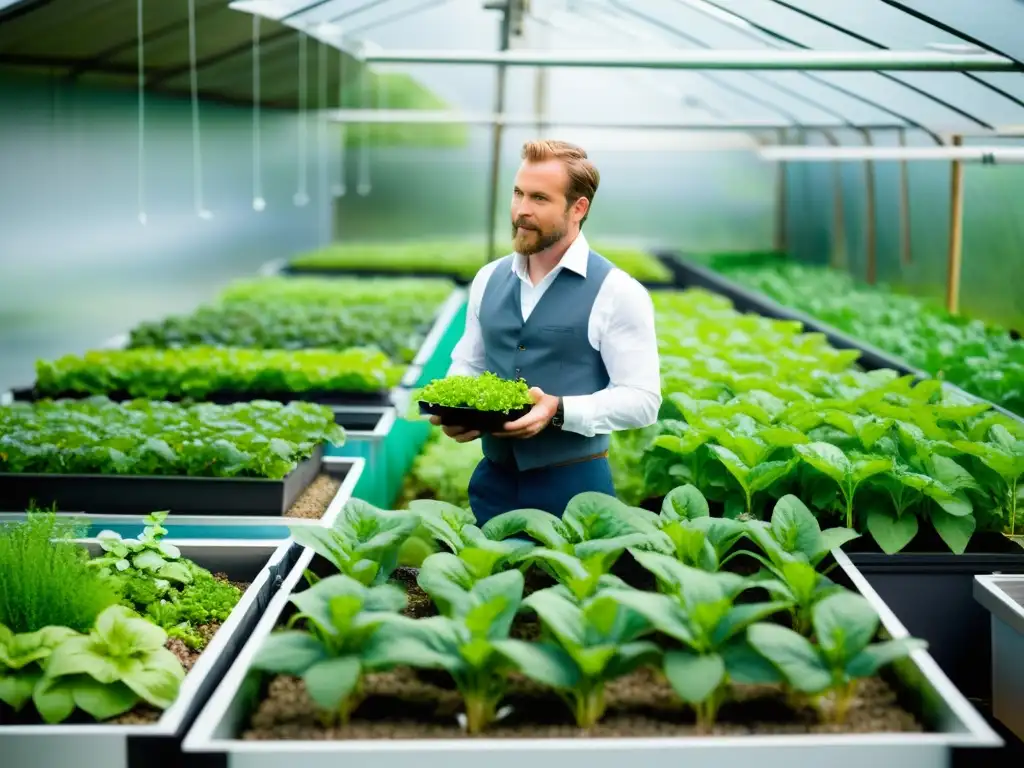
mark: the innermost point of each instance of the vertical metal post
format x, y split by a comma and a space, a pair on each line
870, 222
838, 257
906, 249
781, 204
497, 131
956, 232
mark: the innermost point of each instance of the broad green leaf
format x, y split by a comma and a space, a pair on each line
956, 531
844, 624
694, 677
890, 532
874, 657
684, 503
331, 681
793, 655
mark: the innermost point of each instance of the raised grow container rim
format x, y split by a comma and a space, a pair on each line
967, 729
988, 591
174, 716
356, 466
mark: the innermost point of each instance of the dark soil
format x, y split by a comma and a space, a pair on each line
402, 705
420, 605
313, 502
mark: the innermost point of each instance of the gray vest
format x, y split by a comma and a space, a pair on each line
551, 350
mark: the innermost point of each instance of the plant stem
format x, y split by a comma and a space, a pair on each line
590, 706
707, 710
1013, 507
842, 699
480, 712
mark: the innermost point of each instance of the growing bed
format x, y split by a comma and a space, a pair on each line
212, 596
98, 456
770, 409
459, 259
273, 705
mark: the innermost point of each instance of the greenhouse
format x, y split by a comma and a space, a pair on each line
507, 382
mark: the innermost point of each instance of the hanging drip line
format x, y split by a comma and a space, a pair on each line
140, 182
363, 185
258, 203
301, 197
197, 152
339, 186
321, 127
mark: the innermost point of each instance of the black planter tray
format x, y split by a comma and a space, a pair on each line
689, 275
932, 594
140, 495
471, 418
320, 397
298, 271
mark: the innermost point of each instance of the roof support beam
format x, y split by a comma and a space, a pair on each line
862, 61
983, 155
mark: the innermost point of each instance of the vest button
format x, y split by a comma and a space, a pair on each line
521, 348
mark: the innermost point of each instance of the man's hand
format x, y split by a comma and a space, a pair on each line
544, 407
458, 434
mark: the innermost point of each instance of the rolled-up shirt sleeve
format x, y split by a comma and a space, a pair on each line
622, 329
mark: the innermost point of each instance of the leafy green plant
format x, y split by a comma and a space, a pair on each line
364, 541
337, 293
845, 625
98, 436
754, 410
458, 258
468, 640
197, 372
580, 548
22, 661
443, 469
697, 609
121, 662
341, 619
398, 330
584, 647
981, 358
47, 580
485, 392
471, 553
698, 540
147, 554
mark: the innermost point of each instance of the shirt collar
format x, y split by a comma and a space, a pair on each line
574, 259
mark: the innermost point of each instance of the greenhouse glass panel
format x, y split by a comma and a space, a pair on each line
999, 26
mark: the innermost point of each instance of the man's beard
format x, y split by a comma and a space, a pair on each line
534, 240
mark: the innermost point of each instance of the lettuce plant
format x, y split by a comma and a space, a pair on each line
467, 640
342, 619
121, 662
829, 669
364, 542
698, 609
485, 392
22, 661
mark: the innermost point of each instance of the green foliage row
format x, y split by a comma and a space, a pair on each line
982, 359
91, 634
337, 293
398, 330
98, 436
459, 258
197, 372
596, 627
486, 392
443, 469
755, 409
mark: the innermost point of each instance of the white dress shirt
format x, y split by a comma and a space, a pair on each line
621, 328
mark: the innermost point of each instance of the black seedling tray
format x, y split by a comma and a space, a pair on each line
320, 397
140, 495
471, 418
